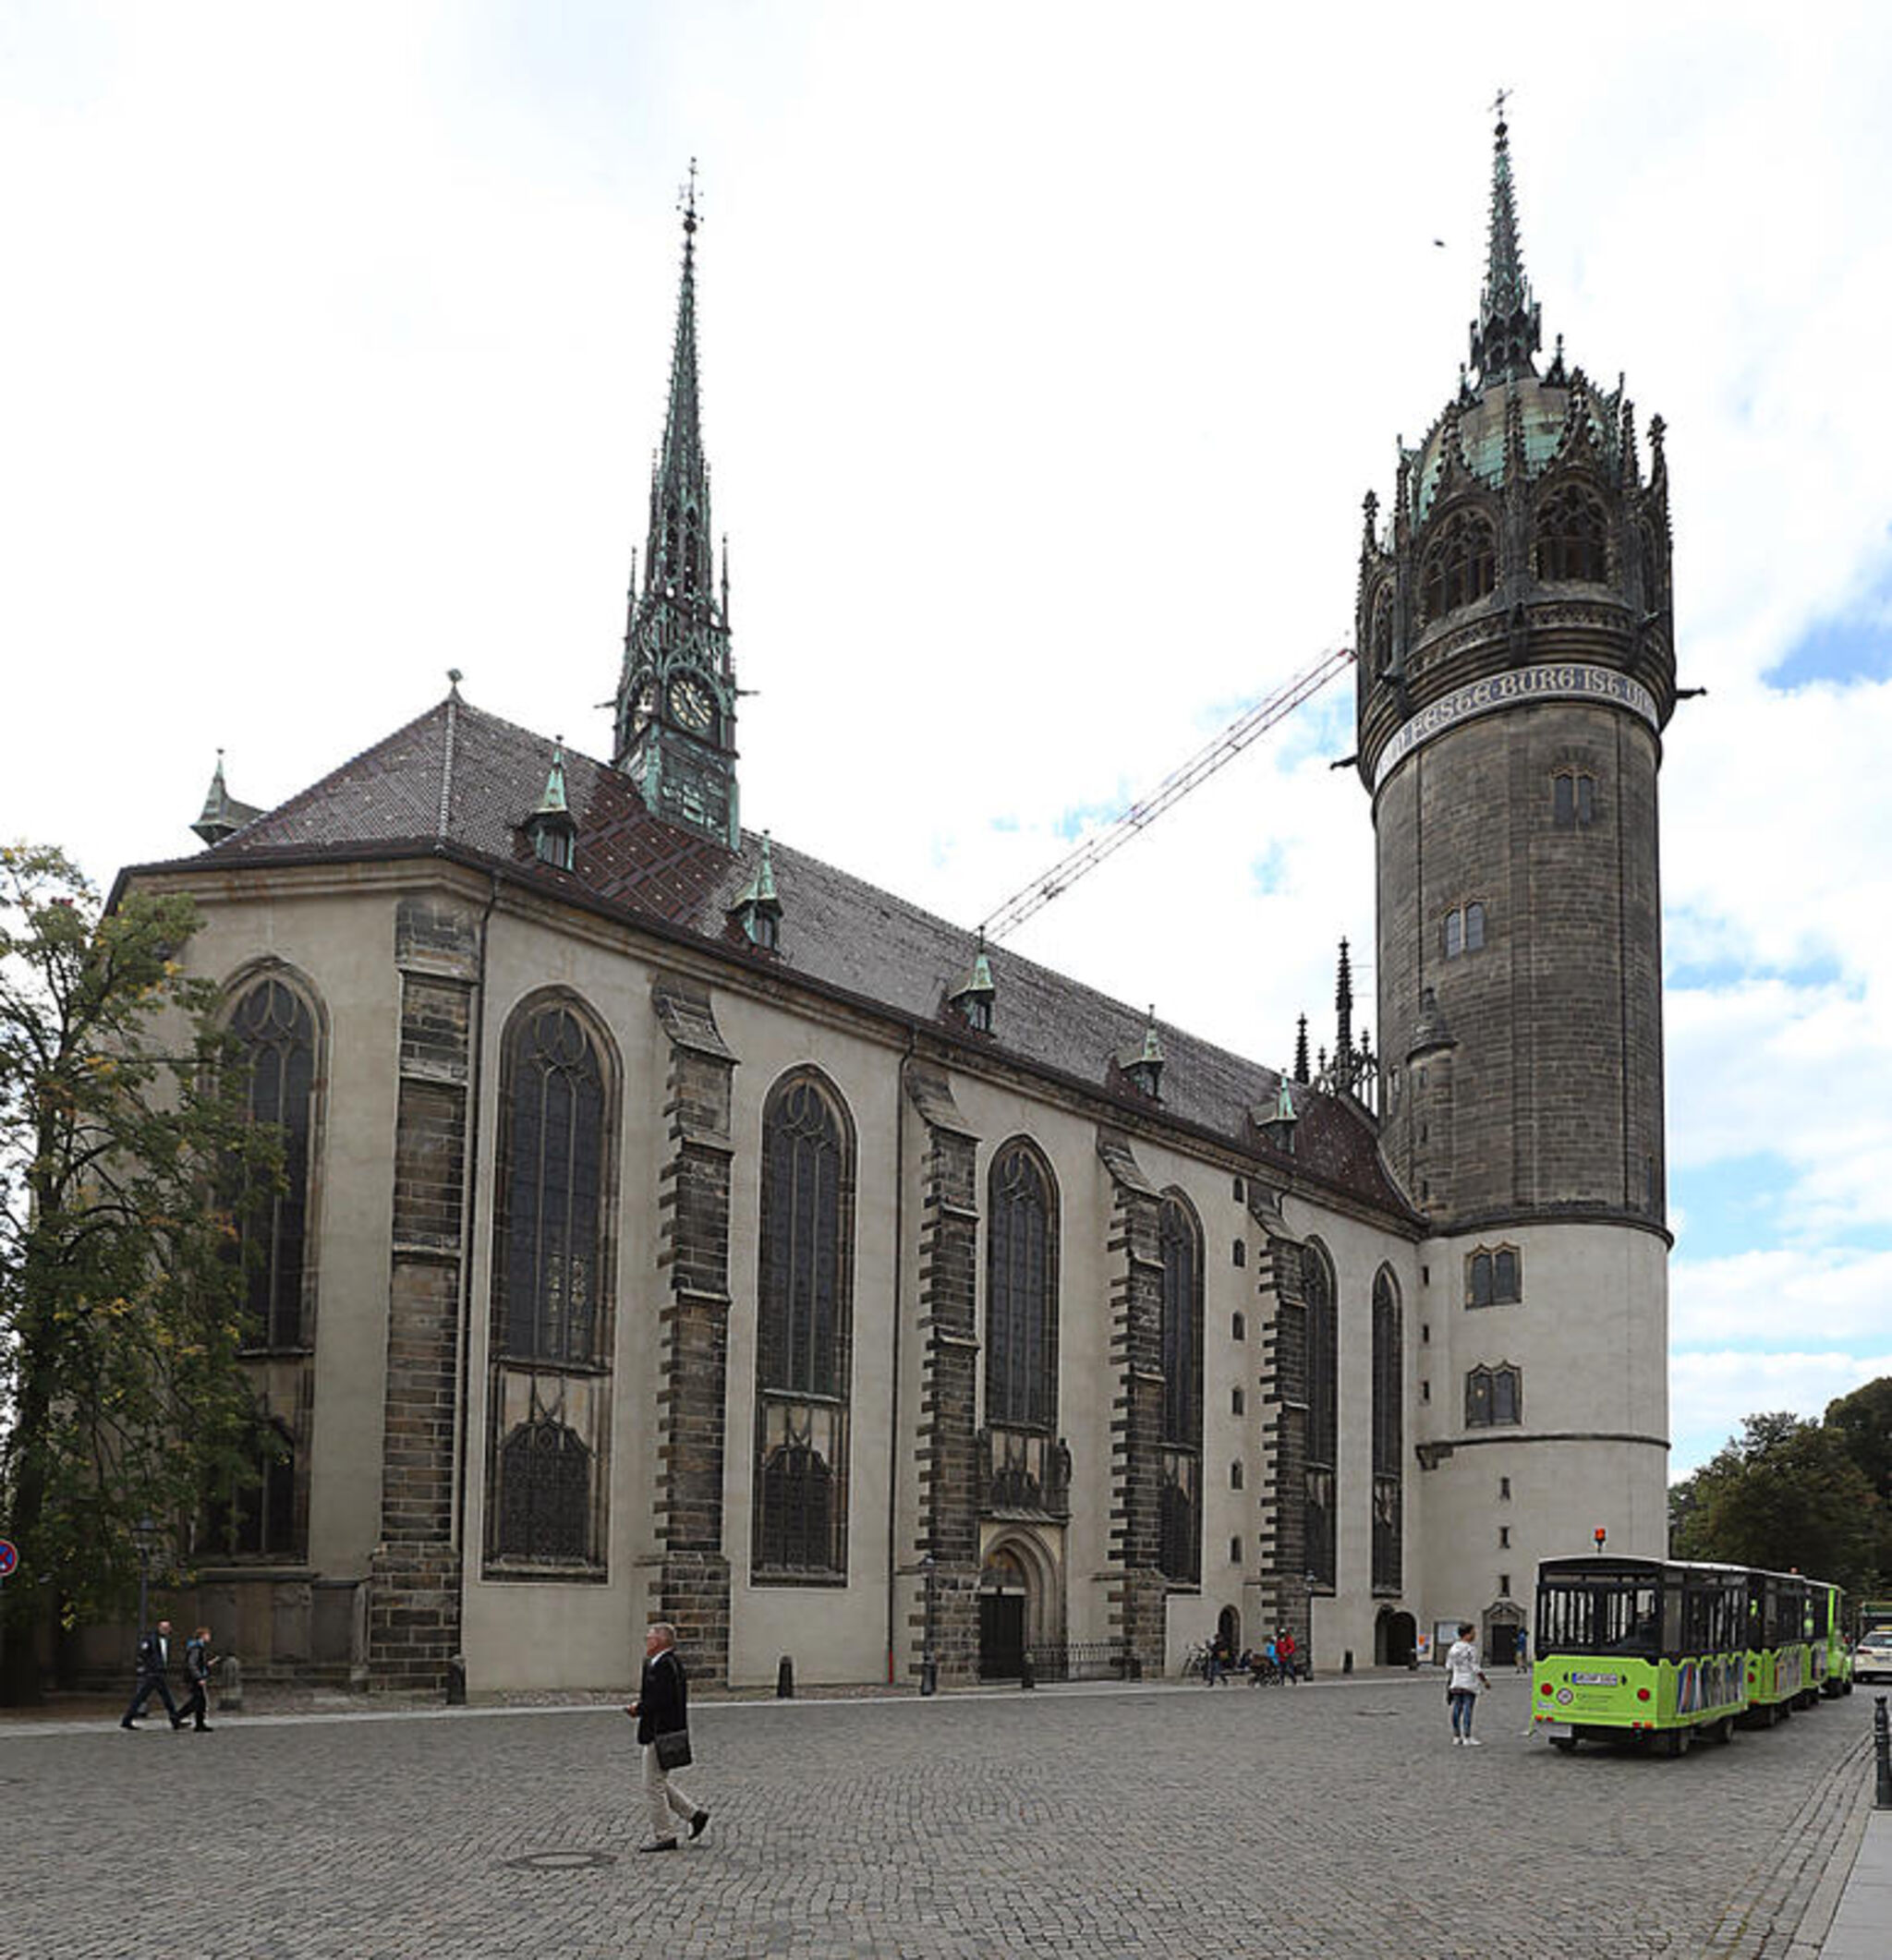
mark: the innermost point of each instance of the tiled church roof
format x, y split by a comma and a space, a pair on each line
460, 780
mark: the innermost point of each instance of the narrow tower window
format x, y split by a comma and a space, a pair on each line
1573, 800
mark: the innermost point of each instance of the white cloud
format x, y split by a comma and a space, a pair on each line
1711, 1392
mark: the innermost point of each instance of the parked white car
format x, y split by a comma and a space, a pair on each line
1872, 1659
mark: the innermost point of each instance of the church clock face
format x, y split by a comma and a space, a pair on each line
692, 704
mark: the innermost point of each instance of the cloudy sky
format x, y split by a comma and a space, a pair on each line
1049, 348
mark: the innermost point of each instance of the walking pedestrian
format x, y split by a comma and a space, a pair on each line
154, 1664
1285, 1650
198, 1663
1463, 1678
663, 1711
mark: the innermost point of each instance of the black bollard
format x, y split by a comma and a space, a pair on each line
784, 1678
1882, 1751
1347, 1662
456, 1681
1026, 1678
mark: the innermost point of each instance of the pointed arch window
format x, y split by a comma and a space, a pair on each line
1323, 1411
1388, 1434
545, 1494
551, 1205
253, 1514
1383, 630
804, 1334
1460, 566
275, 1027
1573, 537
1021, 1293
1179, 1243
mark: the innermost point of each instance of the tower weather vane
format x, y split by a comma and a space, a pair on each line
686, 200
1497, 103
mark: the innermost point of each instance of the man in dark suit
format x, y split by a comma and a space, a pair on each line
153, 1660
198, 1663
662, 1709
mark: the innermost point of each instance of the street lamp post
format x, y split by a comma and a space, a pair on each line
929, 1665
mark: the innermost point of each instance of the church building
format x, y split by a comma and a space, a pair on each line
676, 1226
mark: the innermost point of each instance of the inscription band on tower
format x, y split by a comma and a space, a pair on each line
1559, 681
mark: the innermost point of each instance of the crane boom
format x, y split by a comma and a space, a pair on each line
1200, 766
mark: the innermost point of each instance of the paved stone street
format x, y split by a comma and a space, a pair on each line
1333, 1821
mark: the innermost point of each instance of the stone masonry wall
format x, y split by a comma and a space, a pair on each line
414, 1601
1283, 1530
947, 1444
1137, 1588
694, 1202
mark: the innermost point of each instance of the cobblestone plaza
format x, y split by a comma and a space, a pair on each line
1331, 1821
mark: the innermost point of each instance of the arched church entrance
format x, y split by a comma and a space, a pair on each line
1504, 1624
1229, 1631
1020, 1606
1395, 1639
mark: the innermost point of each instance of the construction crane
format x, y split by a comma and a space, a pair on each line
1200, 766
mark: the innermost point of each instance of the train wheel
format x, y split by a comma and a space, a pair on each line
1674, 1743
1564, 1745
1722, 1731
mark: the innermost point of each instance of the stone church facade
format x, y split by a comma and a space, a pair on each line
676, 1226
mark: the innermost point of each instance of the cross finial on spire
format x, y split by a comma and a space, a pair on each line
1497, 103
686, 201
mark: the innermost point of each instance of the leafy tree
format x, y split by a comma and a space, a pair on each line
1784, 1494
123, 1128
1864, 1420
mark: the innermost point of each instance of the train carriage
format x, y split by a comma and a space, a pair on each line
1832, 1650
1644, 1651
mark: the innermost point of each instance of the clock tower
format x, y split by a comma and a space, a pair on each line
676, 707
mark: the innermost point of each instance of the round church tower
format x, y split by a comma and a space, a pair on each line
1516, 669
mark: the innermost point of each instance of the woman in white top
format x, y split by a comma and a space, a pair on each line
1463, 1678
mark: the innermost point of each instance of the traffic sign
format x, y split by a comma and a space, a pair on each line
9, 1558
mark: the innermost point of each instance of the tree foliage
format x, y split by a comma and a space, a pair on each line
123, 1129
1786, 1494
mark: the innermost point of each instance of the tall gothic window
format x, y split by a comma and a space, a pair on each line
1571, 537
1388, 1434
277, 1032
1460, 566
1180, 1524
1323, 1410
253, 1515
1021, 1293
803, 1333
545, 1494
551, 1189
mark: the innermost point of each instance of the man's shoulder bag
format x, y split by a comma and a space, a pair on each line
673, 1750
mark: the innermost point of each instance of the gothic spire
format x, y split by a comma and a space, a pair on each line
676, 692
1507, 330
677, 555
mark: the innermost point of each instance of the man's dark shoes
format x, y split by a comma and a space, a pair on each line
176, 1721
659, 1844
203, 1728
697, 1824
128, 1722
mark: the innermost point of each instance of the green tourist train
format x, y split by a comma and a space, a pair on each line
1656, 1653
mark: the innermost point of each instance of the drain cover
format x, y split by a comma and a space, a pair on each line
560, 1860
